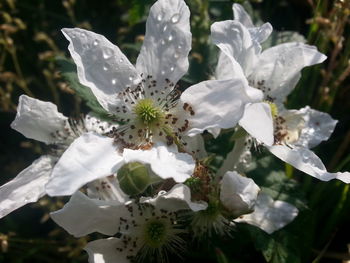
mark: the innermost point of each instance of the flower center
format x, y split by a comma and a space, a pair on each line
147, 112
155, 233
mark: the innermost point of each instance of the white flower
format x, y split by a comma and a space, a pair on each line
145, 97
274, 71
148, 229
270, 215
41, 121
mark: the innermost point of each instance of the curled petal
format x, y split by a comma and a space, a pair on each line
101, 66
82, 216
318, 127
258, 122
167, 41
27, 187
104, 251
178, 198
270, 215
238, 194
88, 158
164, 161
216, 104
279, 67
308, 162
39, 120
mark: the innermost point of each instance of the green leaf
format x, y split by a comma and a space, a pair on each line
69, 74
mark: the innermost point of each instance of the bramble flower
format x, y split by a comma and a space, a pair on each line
41, 121
146, 98
274, 71
150, 228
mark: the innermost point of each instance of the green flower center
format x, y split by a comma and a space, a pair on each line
155, 233
147, 112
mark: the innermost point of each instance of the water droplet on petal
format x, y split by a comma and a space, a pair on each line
172, 69
162, 42
170, 38
114, 81
165, 28
179, 47
107, 53
175, 18
159, 17
96, 42
176, 55
162, 72
105, 67
121, 60
131, 78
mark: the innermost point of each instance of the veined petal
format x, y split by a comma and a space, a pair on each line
234, 41
167, 41
88, 158
318, 127
237, 193
270, 215
82, 216
216, 104
38, 120
258, 122
178, 198
164, 161
104, 251
279, 67
308, 162
259, 33
27, 187
101, 66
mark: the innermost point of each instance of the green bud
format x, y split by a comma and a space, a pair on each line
133, 178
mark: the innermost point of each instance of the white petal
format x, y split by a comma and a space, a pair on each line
259, 33
88, 158
257, 121
280, 67
104, 251
237, 193
27, 187
178, 198
38, 120
164, 161
195, 145
82, 216
234, 41
101, 65
308, 162
270, 215
318, 127
216, 103
93, 123
167, 41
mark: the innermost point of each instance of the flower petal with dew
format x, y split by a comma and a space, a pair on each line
270, 215
27, 187
238, 193
180, 196
146, 98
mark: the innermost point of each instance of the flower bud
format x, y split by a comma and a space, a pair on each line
134, 178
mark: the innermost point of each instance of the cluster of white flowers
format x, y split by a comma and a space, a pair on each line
142, 180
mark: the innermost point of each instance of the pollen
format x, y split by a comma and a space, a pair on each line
155, 233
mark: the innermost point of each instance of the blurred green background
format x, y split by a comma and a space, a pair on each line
30, 39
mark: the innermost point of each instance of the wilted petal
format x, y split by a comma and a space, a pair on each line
82, 216
39, 120
164, 161
308, 162
279, 67
237, 193
101, 65
270, 215
318, 127
259, 33
167, 41
104, 251
88, 158
178, 198
27, 187
258, 122
216, 104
